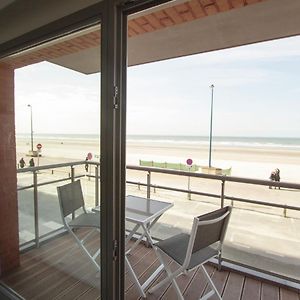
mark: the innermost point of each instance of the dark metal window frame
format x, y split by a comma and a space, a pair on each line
113, 15
73, 22
112, 184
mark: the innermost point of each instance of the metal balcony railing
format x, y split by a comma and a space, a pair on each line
69, 175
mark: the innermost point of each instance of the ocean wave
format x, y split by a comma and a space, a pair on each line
180, 141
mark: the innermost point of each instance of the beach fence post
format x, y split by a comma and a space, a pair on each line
36, 210
284, 212
96, 186
222, 193
148, 184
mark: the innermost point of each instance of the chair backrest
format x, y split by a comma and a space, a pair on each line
209, 228
70, 198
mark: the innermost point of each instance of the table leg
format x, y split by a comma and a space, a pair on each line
134, 278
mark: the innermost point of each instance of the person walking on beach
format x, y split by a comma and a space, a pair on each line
275, 176
22, 163
31, 162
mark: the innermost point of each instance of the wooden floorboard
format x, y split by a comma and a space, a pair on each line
252, 289
219, 279
183, 281
198, 284
269, 292
234, 287
48, 273
288, 295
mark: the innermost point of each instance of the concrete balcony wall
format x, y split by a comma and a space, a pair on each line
9, 236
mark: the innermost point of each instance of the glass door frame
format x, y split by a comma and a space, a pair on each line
113, 116
113, 16
112, 178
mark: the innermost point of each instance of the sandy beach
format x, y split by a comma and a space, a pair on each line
250, 162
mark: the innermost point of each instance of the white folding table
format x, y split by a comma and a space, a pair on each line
143, 213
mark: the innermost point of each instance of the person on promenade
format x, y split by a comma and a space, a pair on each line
31, 162
275, 176
22, 163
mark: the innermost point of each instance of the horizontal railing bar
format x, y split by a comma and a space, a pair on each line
137, 183
48, 182
25, 187
216, 177
262, 203
53, 166
175, 172
185, 191
218, 196
47, 236
174, 189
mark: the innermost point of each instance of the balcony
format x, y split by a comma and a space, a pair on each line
255, 265
46, 273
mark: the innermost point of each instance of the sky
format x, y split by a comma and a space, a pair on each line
256, 93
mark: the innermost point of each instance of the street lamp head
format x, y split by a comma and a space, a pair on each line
28, 105
212, 86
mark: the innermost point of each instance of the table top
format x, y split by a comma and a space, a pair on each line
143, 210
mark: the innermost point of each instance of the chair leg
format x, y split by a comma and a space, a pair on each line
81, 246
170, 278
220, 260
134, 278
213, 287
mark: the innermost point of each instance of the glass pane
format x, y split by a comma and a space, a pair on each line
57, 115
197, 103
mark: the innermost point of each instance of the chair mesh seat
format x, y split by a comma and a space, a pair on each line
176, 248
86, 220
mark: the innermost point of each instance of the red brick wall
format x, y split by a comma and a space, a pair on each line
9, 231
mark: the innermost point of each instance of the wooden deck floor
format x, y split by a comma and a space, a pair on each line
55, 272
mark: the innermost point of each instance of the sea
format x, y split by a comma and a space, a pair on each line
292, 143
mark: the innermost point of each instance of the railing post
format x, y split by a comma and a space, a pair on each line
284, 212
72, 173
36, 210
148, 196
148, 184
189, 188
72, 180
222, 193
97, 186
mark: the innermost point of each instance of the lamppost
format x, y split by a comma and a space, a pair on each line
211, 118
31, 128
